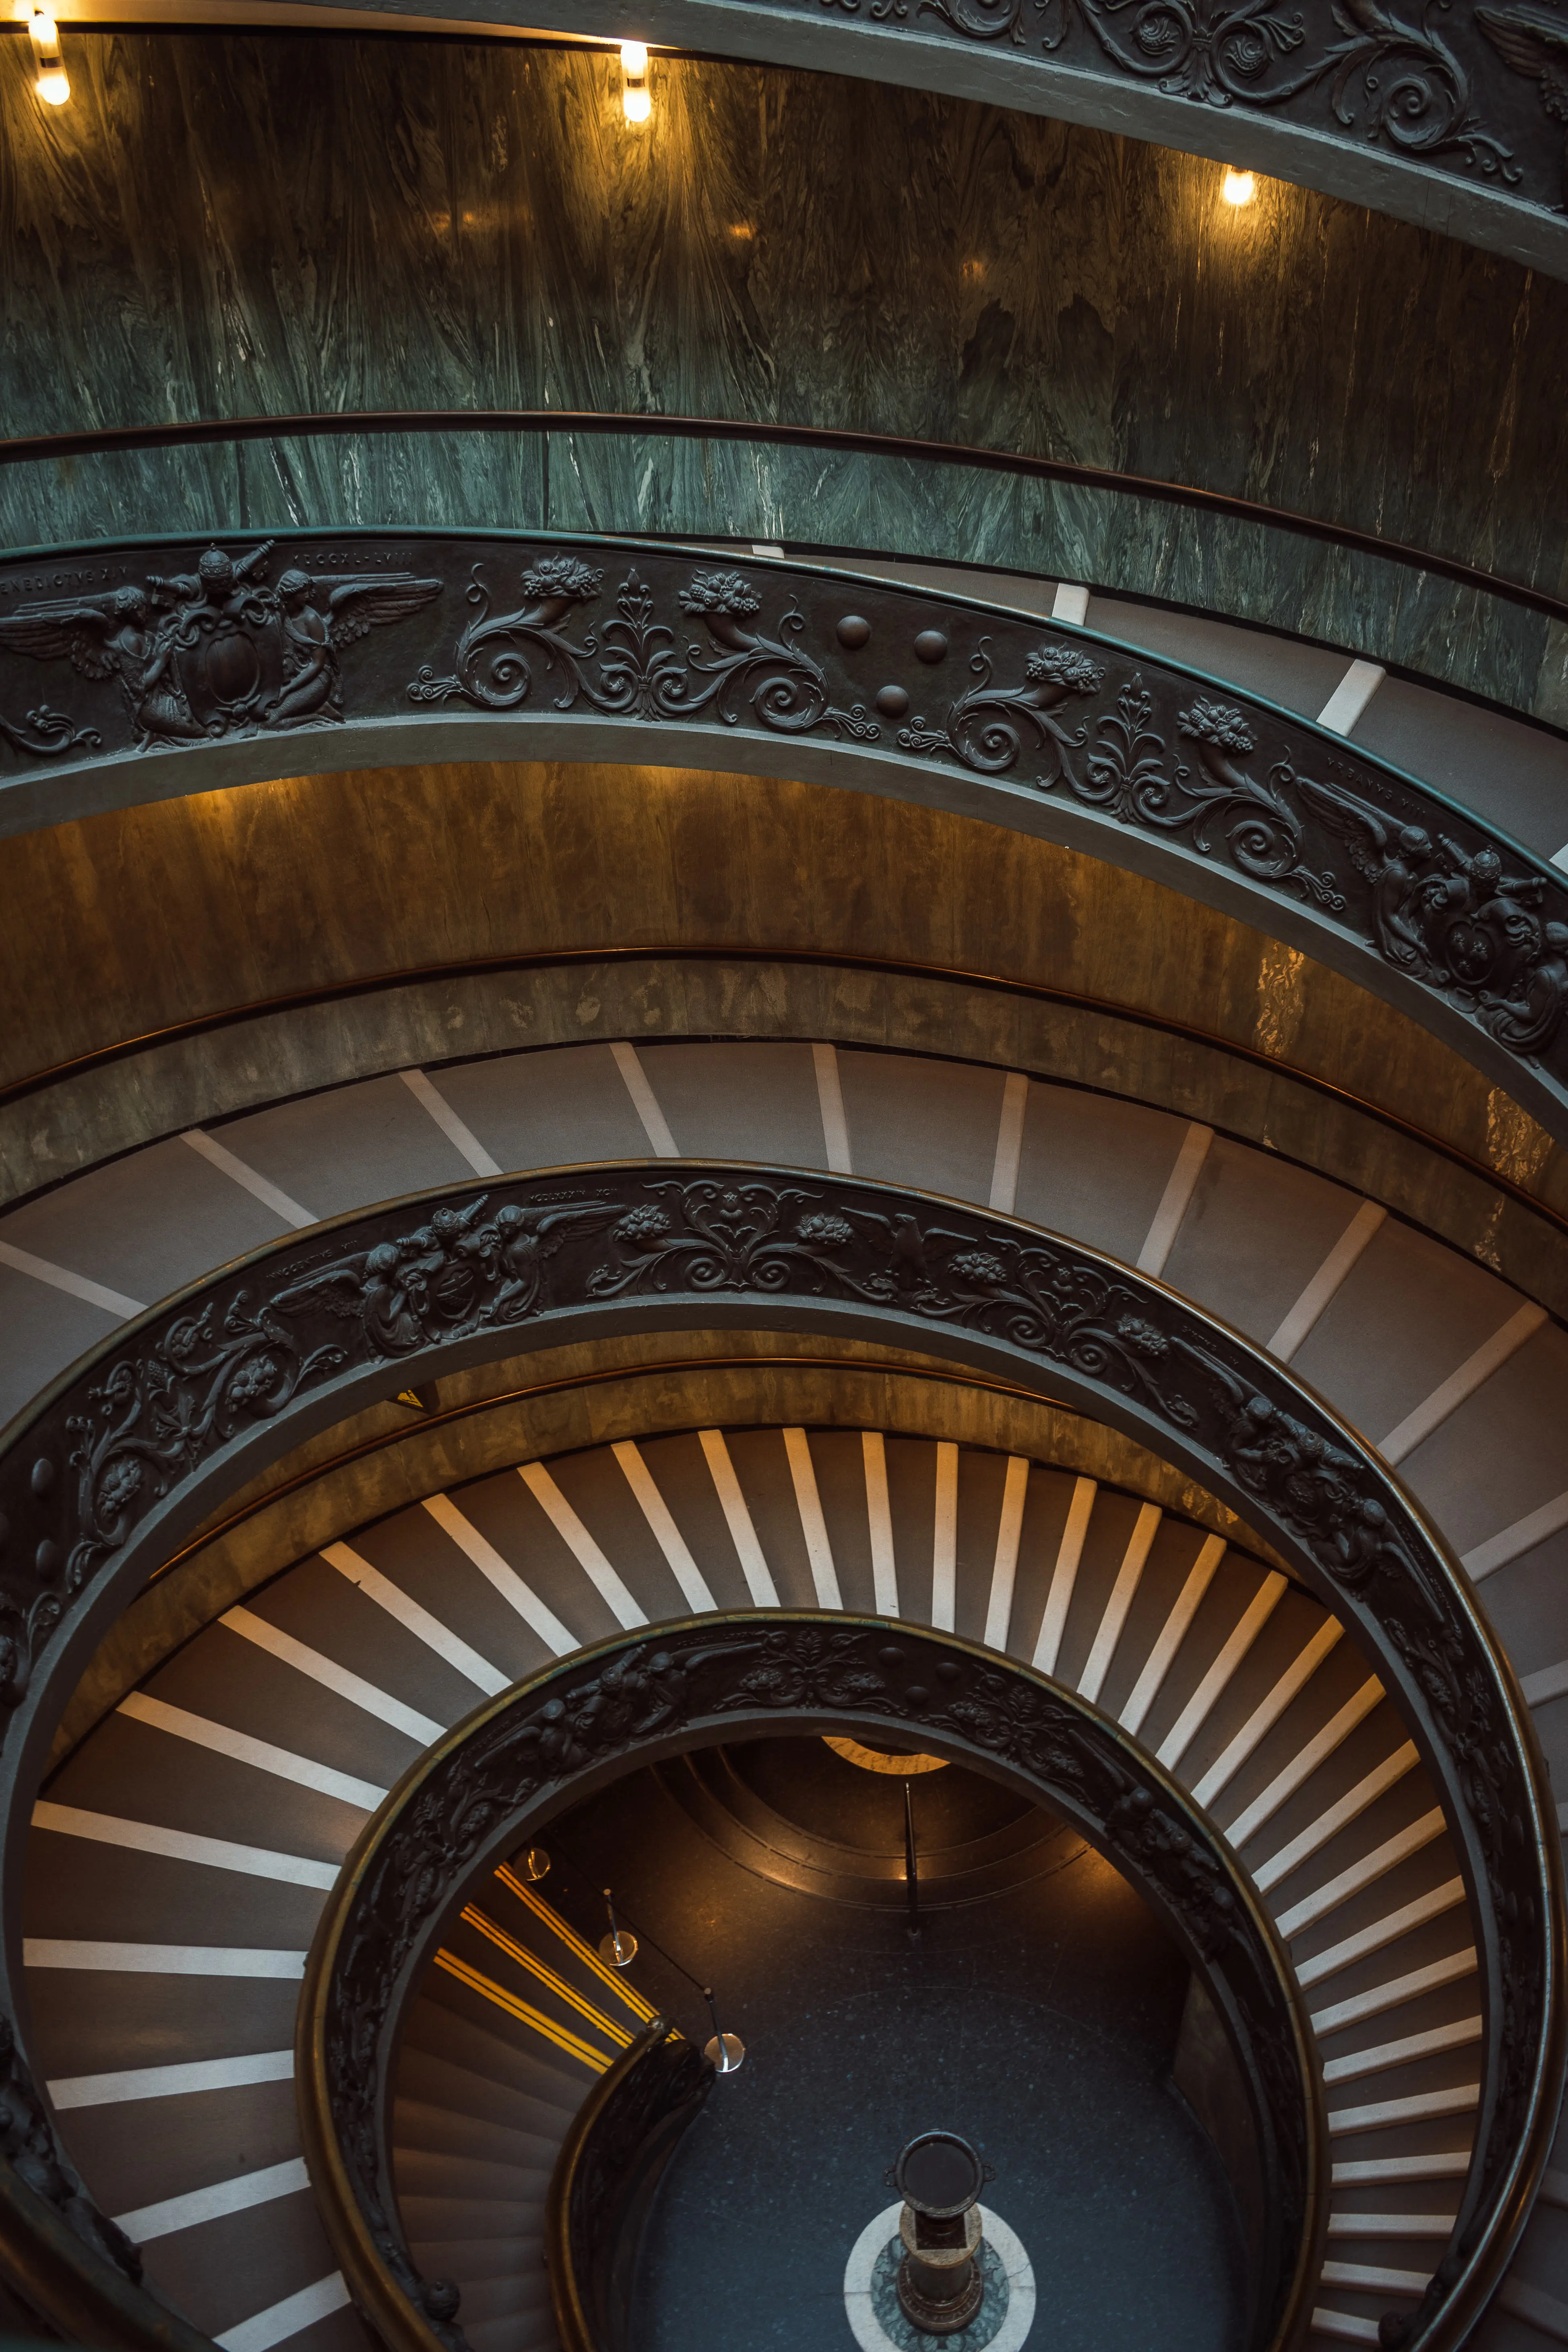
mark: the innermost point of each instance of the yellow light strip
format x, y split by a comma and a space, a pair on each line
494, 1994
576, 1947
558, 1985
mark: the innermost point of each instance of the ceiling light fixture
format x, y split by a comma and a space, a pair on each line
1239, 188
635, 104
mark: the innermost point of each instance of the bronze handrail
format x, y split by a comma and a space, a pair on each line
574, 2294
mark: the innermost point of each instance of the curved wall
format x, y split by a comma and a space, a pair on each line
310, 883
781, 245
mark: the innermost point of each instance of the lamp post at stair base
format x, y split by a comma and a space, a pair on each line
619, 1948
726, 2052
940, 2285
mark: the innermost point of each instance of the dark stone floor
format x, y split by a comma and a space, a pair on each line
1040, 2024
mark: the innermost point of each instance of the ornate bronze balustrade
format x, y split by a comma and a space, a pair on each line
182, 667
610, 2165
130, 1452
527, 1756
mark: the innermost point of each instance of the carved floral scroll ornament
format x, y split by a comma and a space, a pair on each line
631, 666
1356, 66
1429, 891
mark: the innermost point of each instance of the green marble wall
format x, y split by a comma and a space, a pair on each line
228, 225
714, 490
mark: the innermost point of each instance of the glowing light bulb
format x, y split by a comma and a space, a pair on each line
634, 59
1239, 188
637, 102
50, 82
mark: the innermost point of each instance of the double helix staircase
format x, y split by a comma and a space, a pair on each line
180, 1856
289, 1716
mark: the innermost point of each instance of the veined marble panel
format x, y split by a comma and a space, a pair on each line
1383, 611
233, 225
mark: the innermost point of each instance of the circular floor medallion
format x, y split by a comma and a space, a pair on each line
870, 2298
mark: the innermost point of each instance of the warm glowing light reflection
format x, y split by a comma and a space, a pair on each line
51, 83
634, 59
1240, 187
636, 102
883, 1759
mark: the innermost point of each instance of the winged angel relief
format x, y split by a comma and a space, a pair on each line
220, 651
1537, 47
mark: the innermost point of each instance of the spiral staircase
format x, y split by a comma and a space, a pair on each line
688, 879
238, 1773
1241, 1684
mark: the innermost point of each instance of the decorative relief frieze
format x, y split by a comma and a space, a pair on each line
1431, 87
213, 652
587, 633
630, 666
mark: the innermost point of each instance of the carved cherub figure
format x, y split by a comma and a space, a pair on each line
516, 1244
317, 627
1396, 860
387, 1289
1531, 1017
1452, 916
120, 635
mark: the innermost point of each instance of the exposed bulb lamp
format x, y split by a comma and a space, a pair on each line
619, 1948
50, 81
726, 2053
635, 104
1239, 188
